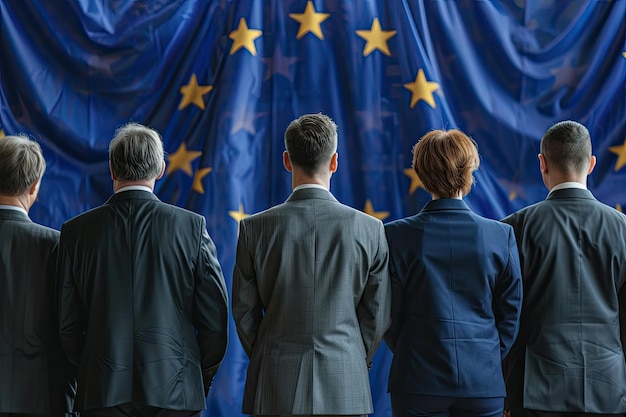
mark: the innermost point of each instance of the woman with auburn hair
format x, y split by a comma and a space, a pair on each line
456, 292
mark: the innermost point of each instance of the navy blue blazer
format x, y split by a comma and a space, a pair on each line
456, 301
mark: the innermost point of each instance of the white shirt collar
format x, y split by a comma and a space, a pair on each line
16, 208
134, 187
568, 184
302, 186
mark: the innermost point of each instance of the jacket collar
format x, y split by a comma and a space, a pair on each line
445, 204
311, 193
570, 193
132, 195
8, 214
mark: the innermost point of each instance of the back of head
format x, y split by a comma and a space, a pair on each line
311, 141
21, 164
444, 161
136, 153
566, 146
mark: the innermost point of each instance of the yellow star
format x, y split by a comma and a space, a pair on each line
512, 195
197, 179
376, 38
422, 90
1, 133
415, 180
181, 159
619, 207
624, 54
192, 93
310, 21
238, 215
620, 151
244, 38
369, 209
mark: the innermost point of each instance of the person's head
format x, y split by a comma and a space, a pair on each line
566, 153
136, 154
21, 167
311, 143
444, 160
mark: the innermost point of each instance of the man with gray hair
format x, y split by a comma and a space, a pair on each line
143, 303
568, 359
311, 290
35, 377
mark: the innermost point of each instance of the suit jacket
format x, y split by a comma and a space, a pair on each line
143, 305
456, 301
35, 376
570, 352
311, 303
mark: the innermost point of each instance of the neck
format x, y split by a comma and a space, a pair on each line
118, 184
299, 178
556, 178
18, 201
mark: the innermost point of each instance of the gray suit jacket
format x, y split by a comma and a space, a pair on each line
569, 355
311, 301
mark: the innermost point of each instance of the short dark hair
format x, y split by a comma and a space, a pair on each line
136, 153
444, 161
21, 164
567, 147
311, 141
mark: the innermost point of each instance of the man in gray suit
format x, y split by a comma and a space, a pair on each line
311, 295
568, 359
35, 377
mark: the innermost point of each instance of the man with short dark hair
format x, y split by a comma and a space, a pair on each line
144, 308
311, 294
568, 359
35, 377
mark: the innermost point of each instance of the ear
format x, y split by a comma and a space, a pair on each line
287, 162
112, 174
333, 162
162, 171
592, 164
543, 164
34, 189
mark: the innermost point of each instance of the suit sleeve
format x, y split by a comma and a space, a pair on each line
373, 311
247, 305
72, 317
210, 308
397, 307
507, 298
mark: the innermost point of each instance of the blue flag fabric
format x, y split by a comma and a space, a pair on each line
221, 80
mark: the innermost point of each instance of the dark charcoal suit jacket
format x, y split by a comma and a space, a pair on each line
143, 304
35, 377
569, 355
456, 301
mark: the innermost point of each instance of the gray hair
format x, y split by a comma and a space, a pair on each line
311, 141
21, 164
136, 153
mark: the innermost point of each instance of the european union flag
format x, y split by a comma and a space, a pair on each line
221, 80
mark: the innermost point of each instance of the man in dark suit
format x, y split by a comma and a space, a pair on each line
311, 295
143, 305
35, 377
568, 359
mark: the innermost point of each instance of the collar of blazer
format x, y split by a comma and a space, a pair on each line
445, 204
570, 193
132, 195
9, 214
309, 193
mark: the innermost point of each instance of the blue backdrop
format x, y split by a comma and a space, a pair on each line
221, 80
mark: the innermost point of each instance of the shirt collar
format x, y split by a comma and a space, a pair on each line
135, 188
16, 208
303, 186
